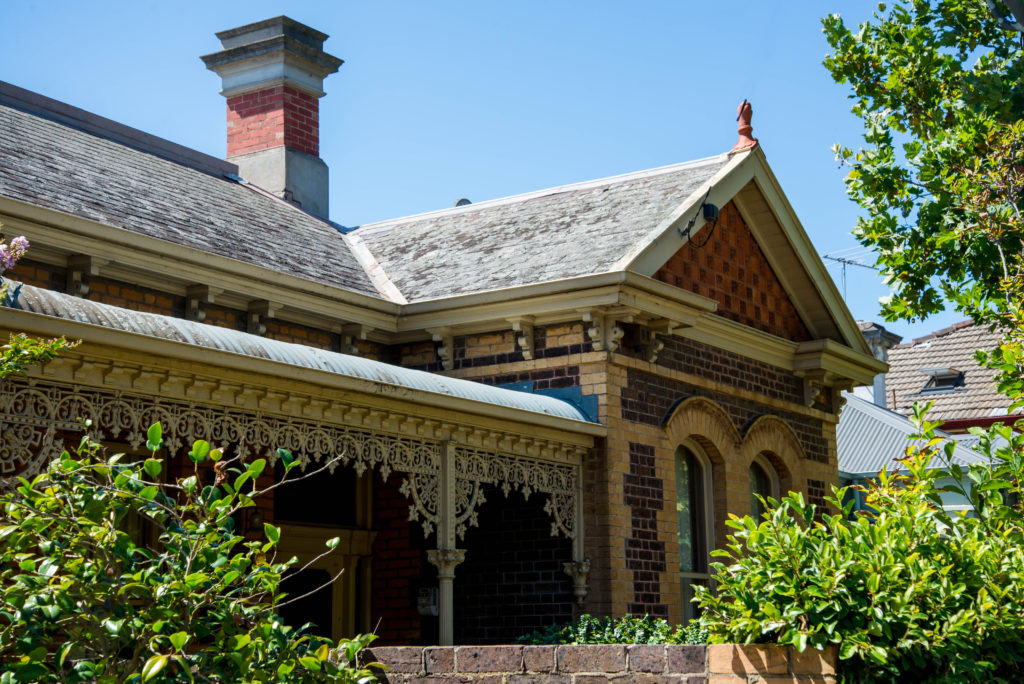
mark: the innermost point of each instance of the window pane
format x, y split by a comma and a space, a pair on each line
760, 484
693, 553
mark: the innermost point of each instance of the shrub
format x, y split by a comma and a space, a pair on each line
905, 589
84, 599
625, 630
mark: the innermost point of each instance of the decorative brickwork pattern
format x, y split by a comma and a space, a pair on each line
273, 117
649, 398
732, 270
570, 664
645, 554
512, 581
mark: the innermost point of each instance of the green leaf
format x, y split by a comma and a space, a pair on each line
178, 640
153, 466
239, 641
273, 533
200, 450
153, 667
149, 492
310, 663
154, 437
256, 467
332, 543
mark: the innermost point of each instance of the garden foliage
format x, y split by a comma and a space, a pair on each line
907, 590
111, 571
625, 630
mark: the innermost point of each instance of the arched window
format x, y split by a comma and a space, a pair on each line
693, 514
764, 483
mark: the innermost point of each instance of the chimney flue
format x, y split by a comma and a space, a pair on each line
272, 75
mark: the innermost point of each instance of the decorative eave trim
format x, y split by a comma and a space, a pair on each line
835, 360
196, 361
50, 230
801, 244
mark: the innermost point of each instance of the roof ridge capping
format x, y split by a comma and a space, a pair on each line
942, 332
102, 127
544, 192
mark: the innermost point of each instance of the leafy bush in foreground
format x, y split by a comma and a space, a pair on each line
625, 630
84, 599
908, 590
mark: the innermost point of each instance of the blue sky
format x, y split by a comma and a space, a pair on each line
442, 100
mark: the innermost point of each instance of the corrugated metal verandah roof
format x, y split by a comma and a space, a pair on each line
59, 305
870, 437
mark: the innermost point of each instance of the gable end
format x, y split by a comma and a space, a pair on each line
732, 269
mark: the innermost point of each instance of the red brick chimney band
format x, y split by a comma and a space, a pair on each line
272, 117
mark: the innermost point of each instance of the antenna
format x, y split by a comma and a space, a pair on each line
847, 262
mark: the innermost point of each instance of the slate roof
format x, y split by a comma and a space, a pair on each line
951, 347
553, 234
870, 437
56, 166
56, 304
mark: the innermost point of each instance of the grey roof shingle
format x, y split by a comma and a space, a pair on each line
870, 437
48, 303
52, 165
951, 347
563, 232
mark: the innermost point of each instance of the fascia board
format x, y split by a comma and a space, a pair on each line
554, 301
201, 360
808, 256
76, 235
655, 248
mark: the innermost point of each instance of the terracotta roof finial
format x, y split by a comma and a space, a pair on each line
743, 114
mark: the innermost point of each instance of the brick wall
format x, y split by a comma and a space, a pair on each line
645, 553
495, 348
648, 399
39, 275
512, 581
706, 361
399, 567
273, 117
732, 270
654, 664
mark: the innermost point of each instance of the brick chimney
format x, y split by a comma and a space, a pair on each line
272, 75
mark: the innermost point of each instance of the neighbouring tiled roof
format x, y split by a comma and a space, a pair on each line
870, 437
952, 347
563, 232
49, 303
57, 166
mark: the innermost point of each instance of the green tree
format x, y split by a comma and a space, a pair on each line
939, 85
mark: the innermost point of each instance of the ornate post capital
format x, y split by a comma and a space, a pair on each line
579, 571
445, 560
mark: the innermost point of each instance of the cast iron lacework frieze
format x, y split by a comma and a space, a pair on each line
34, 413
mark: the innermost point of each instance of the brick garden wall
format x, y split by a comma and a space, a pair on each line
654, 664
